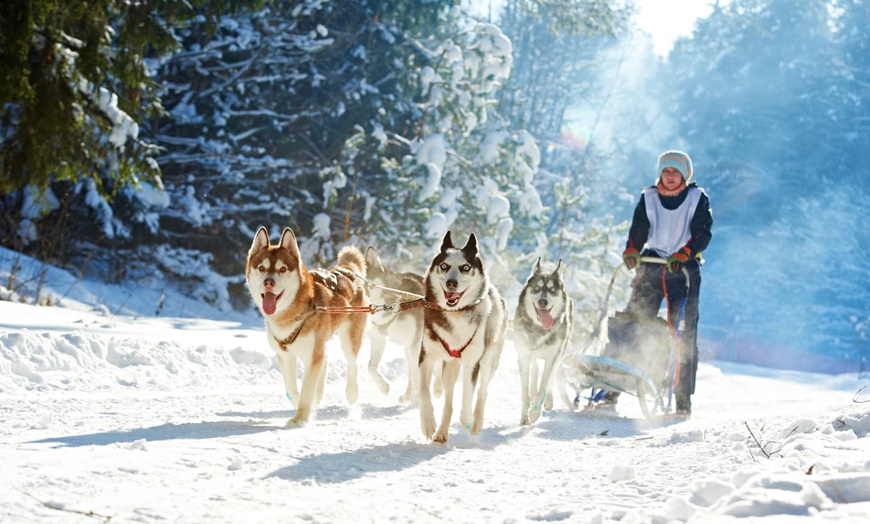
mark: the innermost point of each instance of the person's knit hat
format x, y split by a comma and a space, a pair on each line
677, 160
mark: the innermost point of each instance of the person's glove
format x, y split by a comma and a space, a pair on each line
631, 257
676, 260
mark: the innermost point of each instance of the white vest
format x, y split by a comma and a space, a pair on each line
669, 229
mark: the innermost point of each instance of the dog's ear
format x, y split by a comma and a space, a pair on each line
288, 241
558, 270
537, 268
261, 240
471, 252
470, 247
447, 243
372, 258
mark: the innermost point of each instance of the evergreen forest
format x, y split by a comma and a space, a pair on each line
145, 142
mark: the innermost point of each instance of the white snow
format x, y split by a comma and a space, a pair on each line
37, 204
431, 182
137, 418
124, 128
431, 150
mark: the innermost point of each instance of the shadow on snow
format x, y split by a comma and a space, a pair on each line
198, 430
333, 468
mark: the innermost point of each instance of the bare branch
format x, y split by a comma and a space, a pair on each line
59, 507
856, 399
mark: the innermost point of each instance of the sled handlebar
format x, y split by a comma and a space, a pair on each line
662, 261
602, 314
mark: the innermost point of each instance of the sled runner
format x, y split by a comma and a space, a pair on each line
640, 358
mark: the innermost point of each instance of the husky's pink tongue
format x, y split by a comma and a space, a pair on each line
269, 303
545, 318
452, 296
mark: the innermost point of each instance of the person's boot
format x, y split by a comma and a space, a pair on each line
684, 404
608, 401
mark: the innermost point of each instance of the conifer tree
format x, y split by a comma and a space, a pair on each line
74, 89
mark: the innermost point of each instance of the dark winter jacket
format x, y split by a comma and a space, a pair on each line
700, 227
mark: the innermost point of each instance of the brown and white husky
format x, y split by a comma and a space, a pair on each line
464, 324
288, 295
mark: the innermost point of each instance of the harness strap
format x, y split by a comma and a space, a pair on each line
295, 334
457, 353
319, 309
422, 302
673, 328
398, 292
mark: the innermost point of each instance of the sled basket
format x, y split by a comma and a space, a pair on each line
640, 342
639, 357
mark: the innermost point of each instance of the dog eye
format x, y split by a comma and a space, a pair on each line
465, 268
536, 289
444, 266
553, 290
261, 268
282, 270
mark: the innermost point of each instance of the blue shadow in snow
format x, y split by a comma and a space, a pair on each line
322, 413
335, 468
568, 426
199, 430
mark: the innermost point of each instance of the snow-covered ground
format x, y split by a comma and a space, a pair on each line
168, 419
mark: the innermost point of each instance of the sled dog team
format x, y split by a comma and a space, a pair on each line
452, 324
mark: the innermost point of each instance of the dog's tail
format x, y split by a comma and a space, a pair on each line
352, 258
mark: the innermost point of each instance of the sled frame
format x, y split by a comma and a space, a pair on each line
582, 371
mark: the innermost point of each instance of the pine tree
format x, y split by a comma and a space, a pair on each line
74, 89
263, 113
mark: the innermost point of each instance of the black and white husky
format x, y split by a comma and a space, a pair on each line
405, 328
464, 325
542, 329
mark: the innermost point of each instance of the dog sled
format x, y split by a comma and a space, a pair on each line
640, 358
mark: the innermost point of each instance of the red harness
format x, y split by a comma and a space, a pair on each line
457, 353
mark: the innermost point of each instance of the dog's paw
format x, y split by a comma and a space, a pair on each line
379, 381
297, 422
408, 398
548, 402
533, 415
477, 426
524, 420
300, 418
440, 437
427, 424
352, 392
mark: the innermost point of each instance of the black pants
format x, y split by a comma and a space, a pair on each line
648, 291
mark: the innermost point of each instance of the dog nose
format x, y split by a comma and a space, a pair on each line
542, 303
269, 283
451, 284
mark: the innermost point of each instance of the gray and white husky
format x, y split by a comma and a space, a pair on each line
464, 325
542, 329
405, 328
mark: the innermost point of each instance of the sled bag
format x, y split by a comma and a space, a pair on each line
640, 342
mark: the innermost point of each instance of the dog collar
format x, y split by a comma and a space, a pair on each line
456, 353
295, 333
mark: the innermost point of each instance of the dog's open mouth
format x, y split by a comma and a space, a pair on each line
270, 302
545, 318
452, 297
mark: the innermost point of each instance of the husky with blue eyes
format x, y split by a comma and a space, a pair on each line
464, 327
542, 329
